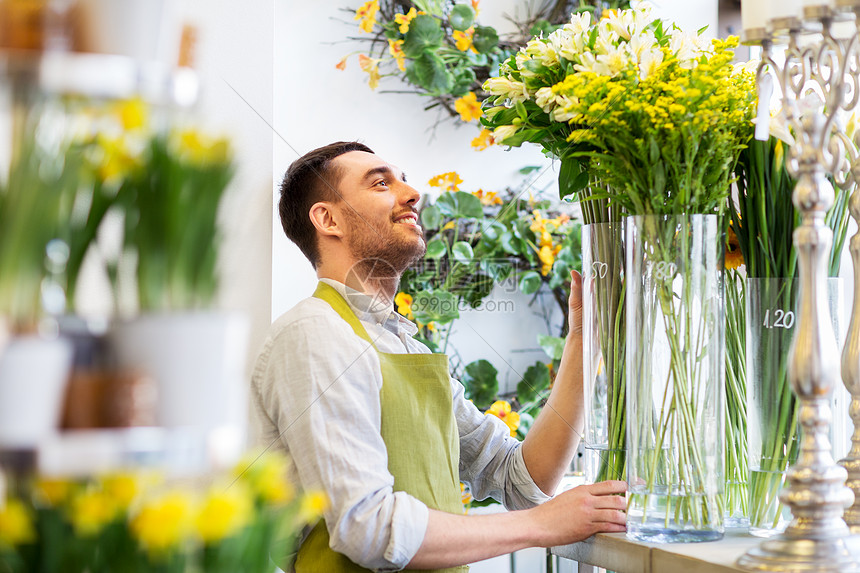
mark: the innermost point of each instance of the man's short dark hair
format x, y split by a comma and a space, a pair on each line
310, 179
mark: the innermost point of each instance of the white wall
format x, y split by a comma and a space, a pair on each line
234, 59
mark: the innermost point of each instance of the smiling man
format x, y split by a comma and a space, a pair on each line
372, 418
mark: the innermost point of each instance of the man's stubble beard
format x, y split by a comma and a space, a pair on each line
381, 255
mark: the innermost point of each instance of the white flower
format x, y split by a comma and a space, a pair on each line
545, 99
622, 22
685, 49
579, 23
501, 133
562, 114
649, 61
750, 66
542, 50
509, 89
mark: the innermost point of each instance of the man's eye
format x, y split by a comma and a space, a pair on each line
381, 182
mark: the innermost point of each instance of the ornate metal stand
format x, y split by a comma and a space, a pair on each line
817, 539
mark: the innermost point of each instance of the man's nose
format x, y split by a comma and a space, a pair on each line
409, 195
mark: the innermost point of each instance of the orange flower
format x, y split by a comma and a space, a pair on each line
447, 181
487, 197
468, 107
341, 65
371, 66
404, 304
405, 19
463, 40
367, 14
475, 7
502, 410
483, 141
395, 48
734, 256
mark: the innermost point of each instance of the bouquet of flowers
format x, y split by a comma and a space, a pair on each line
132, 522
656, 119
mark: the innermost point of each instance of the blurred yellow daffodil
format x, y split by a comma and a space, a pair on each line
367, 14
468, 107
446, 181
502, 410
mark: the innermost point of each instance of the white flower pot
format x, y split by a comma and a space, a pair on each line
198, 363
146, 30
33, 376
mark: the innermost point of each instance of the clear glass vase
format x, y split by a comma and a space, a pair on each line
603, 346
736, 496
675, 373
773, 427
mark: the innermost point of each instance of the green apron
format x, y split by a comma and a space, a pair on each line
420, 435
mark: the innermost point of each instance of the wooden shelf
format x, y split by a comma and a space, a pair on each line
613, 551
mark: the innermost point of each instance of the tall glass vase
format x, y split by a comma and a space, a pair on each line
736, 497
675, 373
603, 348
774, 439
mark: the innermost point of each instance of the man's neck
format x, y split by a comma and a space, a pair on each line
363, 280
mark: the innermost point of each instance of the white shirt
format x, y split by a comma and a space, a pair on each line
315, 392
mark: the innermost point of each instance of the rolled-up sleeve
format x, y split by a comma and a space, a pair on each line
320, 401
491, 461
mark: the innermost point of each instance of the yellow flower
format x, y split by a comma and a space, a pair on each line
371, 66
734, 256
367, 14
313, 504
132, 114
475, 7
122, 488
463, 40
487, 197
225, 511
200, 149
446, 181
465, 496
91, 511
502, 410
163, 522
468, 107
16, 524
404, 19
52, 492
547, 254
266, 475
448, 225
483, 141
395, 48
115, 160
404, 304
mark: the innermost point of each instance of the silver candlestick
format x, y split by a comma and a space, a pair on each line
813, 86
851, 351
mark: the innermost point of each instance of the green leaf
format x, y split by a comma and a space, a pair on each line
485, 39
528, 169
459, 204
431, 217
480, 379
429, 72
552, 345
424, 36
461, 17
436, 248
530, 282
535, 381
462, 252
570, 176
439, 307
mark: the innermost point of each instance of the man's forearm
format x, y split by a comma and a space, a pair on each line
552, 441
573, 515
453, 540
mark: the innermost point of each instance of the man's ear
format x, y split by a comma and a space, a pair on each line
323, 218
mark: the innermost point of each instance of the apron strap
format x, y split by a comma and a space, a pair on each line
330, 295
